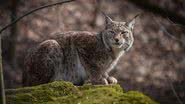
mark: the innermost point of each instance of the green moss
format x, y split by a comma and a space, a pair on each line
60, 92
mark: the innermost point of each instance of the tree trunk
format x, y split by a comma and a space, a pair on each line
13, 37
96, 11
2, 88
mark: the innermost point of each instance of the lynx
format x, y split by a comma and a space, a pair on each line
79, 56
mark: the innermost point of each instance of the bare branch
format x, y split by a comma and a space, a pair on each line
173, 37
166, 31
32, 11
174, 92
148, 6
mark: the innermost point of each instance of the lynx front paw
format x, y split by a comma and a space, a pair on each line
101, 81
112, 80
104, 81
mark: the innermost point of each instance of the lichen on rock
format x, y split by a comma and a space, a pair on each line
60, 92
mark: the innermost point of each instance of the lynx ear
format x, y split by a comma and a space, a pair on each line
108, 20
131, 23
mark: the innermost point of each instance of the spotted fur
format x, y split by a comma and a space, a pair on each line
79, 56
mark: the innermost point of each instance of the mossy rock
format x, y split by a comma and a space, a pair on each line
60, 92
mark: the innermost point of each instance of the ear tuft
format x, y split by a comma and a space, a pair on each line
131, 23
108, 20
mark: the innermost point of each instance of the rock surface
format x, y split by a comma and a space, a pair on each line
60, 92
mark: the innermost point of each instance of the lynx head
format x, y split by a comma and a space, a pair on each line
118, 34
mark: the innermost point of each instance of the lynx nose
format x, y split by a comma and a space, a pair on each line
117, 40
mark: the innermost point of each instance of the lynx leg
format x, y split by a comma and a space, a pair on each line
100, 81
41, 63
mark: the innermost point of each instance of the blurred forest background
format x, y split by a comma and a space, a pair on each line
155, 65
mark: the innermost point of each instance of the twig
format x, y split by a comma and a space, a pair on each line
174, 92
176, 24
32, 11
166, 31
147, 5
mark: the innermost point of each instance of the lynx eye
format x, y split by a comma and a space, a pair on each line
112, 32
126, 35
124, 32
